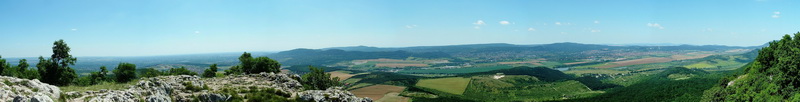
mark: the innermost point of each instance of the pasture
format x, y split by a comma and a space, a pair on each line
376, 92
453, 85
341, 75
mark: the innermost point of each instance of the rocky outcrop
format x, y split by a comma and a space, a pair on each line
184, 88
24, 90
334, 94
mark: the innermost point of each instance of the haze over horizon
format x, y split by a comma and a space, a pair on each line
136, 28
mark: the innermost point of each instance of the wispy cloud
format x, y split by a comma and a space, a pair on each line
596, 22
708, 30
594, 30
776, 14
558, 23
197, 32
411, 26
531, 29
73, 29
505, 22
655, 25
479, 22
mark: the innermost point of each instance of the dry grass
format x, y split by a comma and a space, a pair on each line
637, 61
376, 92
341, 75
685, 57
393, 97
577, 63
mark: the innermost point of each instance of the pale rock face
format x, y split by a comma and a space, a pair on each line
24, 90
334, 94
173, 88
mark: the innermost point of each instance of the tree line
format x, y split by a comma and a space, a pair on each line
56, 70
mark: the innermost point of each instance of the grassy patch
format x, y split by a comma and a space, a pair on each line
454, 85
104, 85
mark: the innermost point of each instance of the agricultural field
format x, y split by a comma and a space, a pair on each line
392, 63
342, 75
458, 70
400, 65
377, 92
453, 85
512, 89
637, 61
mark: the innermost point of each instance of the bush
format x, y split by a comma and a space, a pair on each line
317, 79
181, 71
125, 72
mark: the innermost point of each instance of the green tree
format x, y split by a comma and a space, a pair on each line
3, 66
211, 71
125, 72
181, 71
24, 72
246, 62
234, 70
317, 79
264, 64
97, 77
150, 72
103, 74
252, 65
55, 70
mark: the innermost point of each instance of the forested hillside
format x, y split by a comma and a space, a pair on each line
773, 76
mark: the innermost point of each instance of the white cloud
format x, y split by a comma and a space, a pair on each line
411, 26
558, 23
505, 22
596, 22
594, 31
708, 30
655, 25
73, 29
197, 32
531, 29
776, 14
479, 22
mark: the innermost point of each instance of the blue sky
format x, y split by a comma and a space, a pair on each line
163, 27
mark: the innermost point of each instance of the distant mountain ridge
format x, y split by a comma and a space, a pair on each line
506, 45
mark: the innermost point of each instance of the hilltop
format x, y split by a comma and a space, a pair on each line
185, 88
773, 76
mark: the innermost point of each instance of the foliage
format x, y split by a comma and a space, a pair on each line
317, 79
302, 69
125, 72
234, 70
660, 87
773, 76
263, 64
211, 71
269, 95
55, 70
150, 72
180, 71
250, 65
595, 84
387, 78
543, 73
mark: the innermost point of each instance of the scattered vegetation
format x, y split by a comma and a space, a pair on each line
125, 72
317, 79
